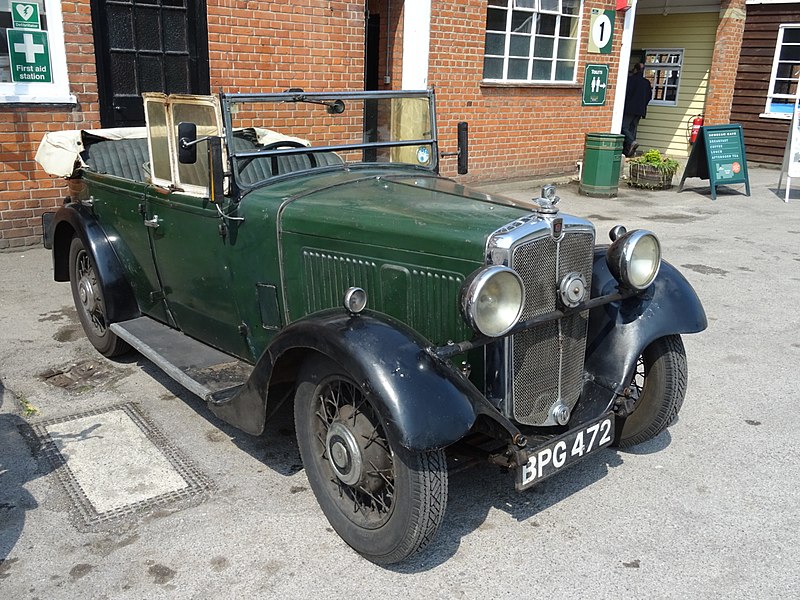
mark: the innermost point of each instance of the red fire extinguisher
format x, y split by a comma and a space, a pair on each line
695, 124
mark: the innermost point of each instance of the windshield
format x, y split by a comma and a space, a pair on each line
272, 135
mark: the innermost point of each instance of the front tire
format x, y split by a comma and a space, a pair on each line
658, 388
385, 501
90, 301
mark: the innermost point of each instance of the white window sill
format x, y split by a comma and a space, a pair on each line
37, 99
523, 83
779, 116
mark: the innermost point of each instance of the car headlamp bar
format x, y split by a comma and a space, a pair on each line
454, 349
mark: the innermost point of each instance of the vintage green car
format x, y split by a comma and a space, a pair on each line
302, 247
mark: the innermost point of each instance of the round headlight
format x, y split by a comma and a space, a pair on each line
634, 258
492, 300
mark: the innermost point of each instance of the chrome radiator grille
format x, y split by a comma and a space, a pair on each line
547, 361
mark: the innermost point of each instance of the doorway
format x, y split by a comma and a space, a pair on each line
147, 46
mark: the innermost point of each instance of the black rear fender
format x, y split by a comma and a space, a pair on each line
76, 219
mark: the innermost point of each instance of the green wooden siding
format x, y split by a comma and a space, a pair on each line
695, 33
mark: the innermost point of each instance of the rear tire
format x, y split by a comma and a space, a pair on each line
385, 501
658, 386
90, 301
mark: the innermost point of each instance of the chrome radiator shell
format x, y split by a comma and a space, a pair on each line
531, 372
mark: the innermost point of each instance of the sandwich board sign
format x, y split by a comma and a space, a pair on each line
718, 155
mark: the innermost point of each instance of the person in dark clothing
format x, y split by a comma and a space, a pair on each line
637, 96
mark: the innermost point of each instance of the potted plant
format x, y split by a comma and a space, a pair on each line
651, 170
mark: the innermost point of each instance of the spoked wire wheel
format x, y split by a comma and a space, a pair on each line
384, 500
90, 301
355, 452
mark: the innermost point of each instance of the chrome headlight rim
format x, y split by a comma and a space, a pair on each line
471, 290
621, 254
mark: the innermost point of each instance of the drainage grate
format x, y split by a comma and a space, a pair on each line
113, 462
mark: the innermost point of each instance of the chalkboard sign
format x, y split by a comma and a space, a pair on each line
718, 155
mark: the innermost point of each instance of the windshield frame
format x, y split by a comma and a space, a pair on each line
229, 104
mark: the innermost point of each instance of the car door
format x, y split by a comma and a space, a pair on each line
190, 244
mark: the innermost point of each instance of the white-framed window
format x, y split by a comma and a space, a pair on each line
532, 40
662, 66
785, 71
37, 44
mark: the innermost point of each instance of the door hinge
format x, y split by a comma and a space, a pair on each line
157, 296
244, 330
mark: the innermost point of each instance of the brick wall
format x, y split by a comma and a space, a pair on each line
272, 46
725, 62
25, 190
515, 131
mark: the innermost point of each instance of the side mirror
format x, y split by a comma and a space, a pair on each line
187, 140
216, 174
463, 148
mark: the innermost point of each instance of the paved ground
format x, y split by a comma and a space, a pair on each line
708, 509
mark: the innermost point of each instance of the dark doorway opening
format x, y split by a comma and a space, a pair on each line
147, 46
372, 45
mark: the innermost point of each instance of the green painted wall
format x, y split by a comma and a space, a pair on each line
665, 126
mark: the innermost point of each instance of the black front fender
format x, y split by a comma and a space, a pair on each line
77, 219
424, 402
620, 331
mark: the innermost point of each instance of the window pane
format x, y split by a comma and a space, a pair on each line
542, 69
206, 121
543, 47
568, 27
788, 70
546, 24
495, 43
120, 28
496, 20
566, 48
570, 7
565, 70
791, 35
525, 4
517, 68
492, 68
549, 5
157, 123
521, 22
671, 93
790, 53
785, 87
520, 45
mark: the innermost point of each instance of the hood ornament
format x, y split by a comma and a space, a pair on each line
546, 203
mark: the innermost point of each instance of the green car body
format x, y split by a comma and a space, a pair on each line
247, 247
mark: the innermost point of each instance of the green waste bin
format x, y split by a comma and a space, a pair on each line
601, 164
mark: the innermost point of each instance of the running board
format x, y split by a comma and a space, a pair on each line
201, 369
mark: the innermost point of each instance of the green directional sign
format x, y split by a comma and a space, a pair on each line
595, 81
25, 15
29, 52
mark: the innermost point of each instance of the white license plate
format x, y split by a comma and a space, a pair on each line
565, 450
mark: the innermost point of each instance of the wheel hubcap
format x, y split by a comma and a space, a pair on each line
87, 296
346, 458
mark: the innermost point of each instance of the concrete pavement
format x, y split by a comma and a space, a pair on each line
708, 509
